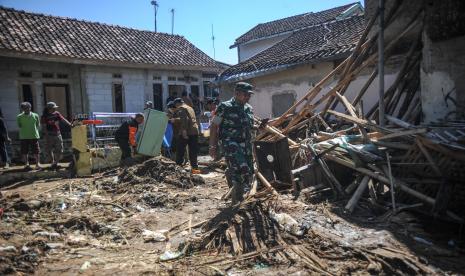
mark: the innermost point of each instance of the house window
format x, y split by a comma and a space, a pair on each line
27, 95
175, 91
194, 79
195, 90
118, 98
209, 90
62, 76
158, 96
181, 79
208, 76
25, 74
47, 75
171, 78
156, 78
117, 76
280, 103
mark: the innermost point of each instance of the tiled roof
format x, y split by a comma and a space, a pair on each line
294, 23
58, 36
323, 42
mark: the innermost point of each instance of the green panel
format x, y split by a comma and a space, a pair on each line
152, 132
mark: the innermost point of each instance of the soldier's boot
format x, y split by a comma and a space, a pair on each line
227, 174
237, 193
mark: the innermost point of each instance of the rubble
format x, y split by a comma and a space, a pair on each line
392, 165
156, 217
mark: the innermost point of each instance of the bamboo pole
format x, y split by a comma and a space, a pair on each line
357, 194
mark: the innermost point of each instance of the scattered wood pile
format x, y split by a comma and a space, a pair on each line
404, 162
254, 232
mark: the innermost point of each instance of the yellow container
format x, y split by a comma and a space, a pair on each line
79, 138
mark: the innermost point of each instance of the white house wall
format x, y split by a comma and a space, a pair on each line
300, 80
442, 79
10, 84
252, 48
97, 82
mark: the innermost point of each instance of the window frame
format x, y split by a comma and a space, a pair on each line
113, 97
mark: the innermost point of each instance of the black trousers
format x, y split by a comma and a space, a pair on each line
125, 148
193, 143
3, 152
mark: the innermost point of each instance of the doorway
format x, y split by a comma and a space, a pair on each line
158, 96
26, 95
58, 93
175, 91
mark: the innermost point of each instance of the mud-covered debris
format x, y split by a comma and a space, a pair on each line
159, 170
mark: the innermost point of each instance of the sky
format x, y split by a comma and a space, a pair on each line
193, 19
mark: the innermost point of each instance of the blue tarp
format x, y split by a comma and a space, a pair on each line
168, 138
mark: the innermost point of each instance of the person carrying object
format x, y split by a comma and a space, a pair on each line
51, 120
125, 136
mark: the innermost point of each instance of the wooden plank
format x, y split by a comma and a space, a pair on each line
265, 182
397, 183
351, 111
403, 133
391, 182
399, 122
428, 157
364, 89
357, 194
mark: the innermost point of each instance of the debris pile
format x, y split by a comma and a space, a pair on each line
254, 232
156, 171
399, 164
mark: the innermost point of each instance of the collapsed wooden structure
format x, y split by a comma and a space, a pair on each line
405, 161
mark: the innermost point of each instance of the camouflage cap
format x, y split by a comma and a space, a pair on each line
244, 87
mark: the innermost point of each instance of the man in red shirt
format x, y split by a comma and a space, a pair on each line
51, 119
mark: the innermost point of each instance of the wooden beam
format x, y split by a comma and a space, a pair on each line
403, 133
357, 194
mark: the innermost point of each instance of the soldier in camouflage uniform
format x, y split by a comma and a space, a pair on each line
232, 128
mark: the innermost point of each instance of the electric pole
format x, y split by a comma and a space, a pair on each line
172, 21
155, 8
213, 41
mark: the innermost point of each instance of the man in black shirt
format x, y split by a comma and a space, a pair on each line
4, 138
125, 136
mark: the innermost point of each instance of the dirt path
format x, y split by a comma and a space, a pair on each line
132, 222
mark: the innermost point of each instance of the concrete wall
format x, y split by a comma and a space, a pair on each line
137, 86
11, 82
251, 49
300, 80
442, 83
442, 79
97, 85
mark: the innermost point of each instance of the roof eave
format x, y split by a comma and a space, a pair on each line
267, 71
97, 62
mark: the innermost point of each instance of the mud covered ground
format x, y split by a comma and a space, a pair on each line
138, 221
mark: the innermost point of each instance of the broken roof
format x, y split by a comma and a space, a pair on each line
298, 22
46, 35
323, 42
